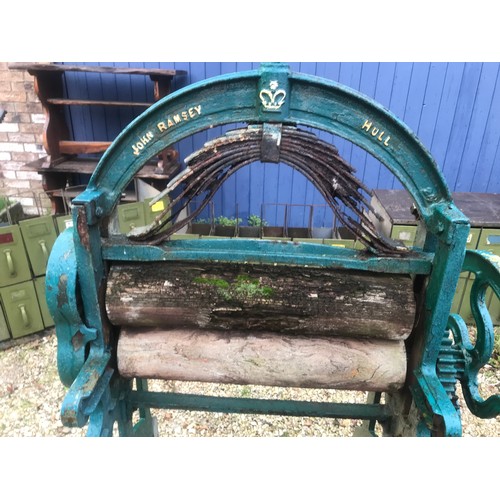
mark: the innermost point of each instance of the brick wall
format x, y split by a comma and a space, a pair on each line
21, 140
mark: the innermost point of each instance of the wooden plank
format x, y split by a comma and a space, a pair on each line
261, 297
85, 166
55, 127
482, 209
263, 359
84, 102
37, 67
83, 147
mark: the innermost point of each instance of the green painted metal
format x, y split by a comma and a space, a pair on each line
39, 235
152, 211
339, 243
14, 264
130, 216
267, 252
63, 222
62, 301
4, 329
179, 401
486, 268
271, 94
21, 308
490, 241
404, 233
39, 282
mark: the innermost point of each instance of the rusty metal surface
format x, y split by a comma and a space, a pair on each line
317, 160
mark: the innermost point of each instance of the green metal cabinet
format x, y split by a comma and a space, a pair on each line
308, 240
4, 329
42, 302
490, 241
20, 304
404, 233
14, 264
130, 216
186, 236
150, 212
39, 235
461, 304
63, 222
483, 211
339, 243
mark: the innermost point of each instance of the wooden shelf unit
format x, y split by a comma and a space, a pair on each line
63, 161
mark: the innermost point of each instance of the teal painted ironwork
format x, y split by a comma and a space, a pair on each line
271, 94
60, 290
268, 252
486, 268
179, 401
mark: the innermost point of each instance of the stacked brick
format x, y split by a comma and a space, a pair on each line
21, 139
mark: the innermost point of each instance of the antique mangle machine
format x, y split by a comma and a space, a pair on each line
141, 306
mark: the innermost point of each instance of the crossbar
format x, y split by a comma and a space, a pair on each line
292, 408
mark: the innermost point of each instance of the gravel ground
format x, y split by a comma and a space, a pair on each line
31, 396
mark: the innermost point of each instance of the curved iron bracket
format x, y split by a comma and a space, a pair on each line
486, 268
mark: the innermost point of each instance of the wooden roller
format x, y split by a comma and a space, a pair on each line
259, 297
262, 359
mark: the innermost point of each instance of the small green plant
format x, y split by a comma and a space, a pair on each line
4, 202
255, 220
245, 392
201, 221
227, 221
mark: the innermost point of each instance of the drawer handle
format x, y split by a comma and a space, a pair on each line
24, 314
44, 250
10, 263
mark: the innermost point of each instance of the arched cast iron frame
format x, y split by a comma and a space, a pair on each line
272, 94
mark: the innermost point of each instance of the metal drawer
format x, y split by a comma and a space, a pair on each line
21, 308
130, 216
42, 301
14, 264
39, 235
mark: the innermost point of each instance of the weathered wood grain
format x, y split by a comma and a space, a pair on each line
262, 359
257, 297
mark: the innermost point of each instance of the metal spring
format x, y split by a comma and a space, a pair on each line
320, 162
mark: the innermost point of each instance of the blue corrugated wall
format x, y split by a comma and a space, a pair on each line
454, 108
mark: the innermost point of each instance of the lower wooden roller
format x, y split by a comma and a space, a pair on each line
262, 359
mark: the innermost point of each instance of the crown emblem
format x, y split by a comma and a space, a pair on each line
272, 99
